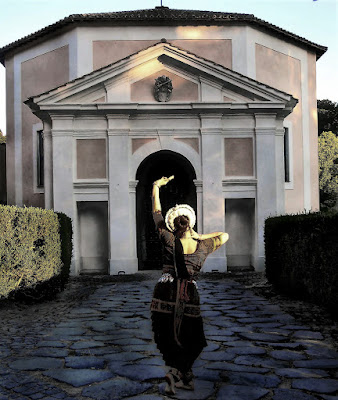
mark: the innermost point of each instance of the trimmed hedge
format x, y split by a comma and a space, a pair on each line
35, 252
301, 253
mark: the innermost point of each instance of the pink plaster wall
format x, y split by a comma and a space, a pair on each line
313, 131
38, 75
238, 154
106, 52
183, 90
219, 51
10, 156
192, 142
137, 143
91, 158
284, 73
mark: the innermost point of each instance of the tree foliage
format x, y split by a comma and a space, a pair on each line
327, 116
2, 137
328, 169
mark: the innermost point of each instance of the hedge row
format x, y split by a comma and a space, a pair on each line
302, 256
35, 252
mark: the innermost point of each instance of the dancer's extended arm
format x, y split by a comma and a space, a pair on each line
222, 236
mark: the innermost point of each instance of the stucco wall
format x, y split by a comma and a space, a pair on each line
238, 154
91, 158
38, 75
10, 133
284, 73
183, 89
108, 51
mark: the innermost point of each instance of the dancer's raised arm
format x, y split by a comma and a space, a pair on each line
156, 193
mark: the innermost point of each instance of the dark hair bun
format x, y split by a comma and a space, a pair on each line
181, 224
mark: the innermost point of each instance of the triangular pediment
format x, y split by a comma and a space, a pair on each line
131, 80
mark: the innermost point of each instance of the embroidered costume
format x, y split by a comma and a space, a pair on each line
176, 315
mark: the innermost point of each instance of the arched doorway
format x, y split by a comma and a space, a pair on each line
181, 190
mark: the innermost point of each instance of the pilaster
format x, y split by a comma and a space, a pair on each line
266, 169
62, 173
199, 192
120, 204
48, 164
213, 217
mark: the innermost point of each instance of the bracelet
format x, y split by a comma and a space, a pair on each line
155, 184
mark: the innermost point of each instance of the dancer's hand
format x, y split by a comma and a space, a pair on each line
194, 234
163, 181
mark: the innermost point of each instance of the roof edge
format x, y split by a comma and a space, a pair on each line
160, 15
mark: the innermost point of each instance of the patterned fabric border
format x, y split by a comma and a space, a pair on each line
167, 307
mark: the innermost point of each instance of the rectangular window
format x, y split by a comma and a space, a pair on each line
287, 155
40, 160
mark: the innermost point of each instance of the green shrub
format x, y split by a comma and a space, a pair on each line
34, 252
302, 256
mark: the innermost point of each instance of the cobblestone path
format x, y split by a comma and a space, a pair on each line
101, 348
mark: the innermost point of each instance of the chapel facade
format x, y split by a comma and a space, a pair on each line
101, 105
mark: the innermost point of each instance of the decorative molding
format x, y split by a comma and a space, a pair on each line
85, 134
86, 184
265, 131
62, 132
63, 117
118, 132
239, 188
211, 131
239, 182
145, 132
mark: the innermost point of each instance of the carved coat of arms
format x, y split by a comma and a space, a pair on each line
163, 88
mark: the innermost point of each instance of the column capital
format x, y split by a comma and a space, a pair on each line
133, 186
199, 185
211, 123
117, 121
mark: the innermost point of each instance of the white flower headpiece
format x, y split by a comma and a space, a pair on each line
180, 209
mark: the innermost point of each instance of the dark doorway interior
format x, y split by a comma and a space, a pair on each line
93, 233
181, 190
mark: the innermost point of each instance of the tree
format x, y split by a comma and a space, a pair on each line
327, 116
328, 169
2, 137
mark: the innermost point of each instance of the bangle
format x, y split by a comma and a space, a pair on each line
155, 184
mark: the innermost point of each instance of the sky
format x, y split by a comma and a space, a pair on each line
315, 20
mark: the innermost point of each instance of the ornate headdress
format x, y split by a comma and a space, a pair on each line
180, 209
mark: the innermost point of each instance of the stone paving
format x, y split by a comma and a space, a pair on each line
101, 348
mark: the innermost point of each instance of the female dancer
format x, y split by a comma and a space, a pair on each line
176, 317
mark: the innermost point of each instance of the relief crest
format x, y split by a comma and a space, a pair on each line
163, 88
